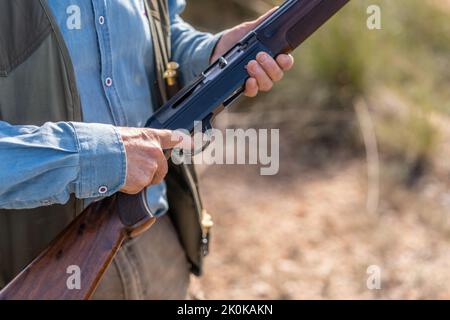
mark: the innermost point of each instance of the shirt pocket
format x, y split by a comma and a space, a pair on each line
24, 25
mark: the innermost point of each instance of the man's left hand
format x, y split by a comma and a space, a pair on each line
264, 71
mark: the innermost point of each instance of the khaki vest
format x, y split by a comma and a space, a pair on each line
37, 85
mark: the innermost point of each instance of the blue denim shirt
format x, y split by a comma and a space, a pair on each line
110, 45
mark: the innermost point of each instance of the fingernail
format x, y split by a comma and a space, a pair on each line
263, 57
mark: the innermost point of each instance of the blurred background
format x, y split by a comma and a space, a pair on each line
364, 166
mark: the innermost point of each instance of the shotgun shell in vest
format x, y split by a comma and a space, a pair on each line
171, 74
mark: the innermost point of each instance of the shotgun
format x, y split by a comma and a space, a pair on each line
93, 239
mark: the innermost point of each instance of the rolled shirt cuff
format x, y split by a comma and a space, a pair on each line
102, 160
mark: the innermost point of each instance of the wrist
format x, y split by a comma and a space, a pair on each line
218, 49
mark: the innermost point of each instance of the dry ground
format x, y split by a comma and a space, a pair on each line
306, 234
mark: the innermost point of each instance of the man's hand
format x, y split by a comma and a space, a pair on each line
146, 162
263, 71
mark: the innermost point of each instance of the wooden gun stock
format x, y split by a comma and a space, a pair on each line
89, 243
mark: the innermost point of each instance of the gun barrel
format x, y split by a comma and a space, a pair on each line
296, 21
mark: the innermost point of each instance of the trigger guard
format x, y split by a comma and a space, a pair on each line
206, 127
204, 146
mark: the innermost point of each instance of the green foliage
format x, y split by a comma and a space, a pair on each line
339, 56
410, 139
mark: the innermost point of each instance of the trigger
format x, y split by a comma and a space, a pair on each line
206, 129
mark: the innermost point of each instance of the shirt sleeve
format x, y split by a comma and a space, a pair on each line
44, 165
192, 49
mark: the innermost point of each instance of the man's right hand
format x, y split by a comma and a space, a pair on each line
146, 162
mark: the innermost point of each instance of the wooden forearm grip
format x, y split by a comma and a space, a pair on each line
87, 245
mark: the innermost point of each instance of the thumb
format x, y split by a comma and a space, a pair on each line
261, 19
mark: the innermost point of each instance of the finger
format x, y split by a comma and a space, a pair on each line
251, 88
167, 138
257, 72
186, 140
161, 171
270, 66
285, 61
264, 16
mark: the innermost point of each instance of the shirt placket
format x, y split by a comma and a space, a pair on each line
104, 42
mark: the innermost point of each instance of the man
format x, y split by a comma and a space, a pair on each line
76, 88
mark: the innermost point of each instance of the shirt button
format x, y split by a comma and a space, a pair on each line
101, 20
103, 189
108, 82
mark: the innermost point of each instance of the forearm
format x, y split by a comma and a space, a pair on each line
192, 49
45, 165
